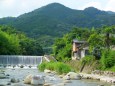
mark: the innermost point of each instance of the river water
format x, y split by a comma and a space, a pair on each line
21, 73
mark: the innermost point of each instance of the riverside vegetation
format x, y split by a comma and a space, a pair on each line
59, 67
101, 42
101, 46
101, 51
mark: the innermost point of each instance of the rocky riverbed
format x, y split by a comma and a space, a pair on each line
16, 76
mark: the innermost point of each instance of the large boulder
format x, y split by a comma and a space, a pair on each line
66, 77
73, 76
48, 84
2, 76
28, 79
37, 80
13, 80
47, 71
2, 84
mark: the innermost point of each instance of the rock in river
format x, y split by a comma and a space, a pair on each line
37, 80
73, 76
28, 79
13, 80
2, 76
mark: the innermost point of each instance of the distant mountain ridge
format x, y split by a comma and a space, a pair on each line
110, 12
55, 19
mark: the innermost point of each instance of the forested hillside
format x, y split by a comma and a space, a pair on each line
54, 20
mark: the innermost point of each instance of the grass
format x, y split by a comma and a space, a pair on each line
110, 69
91, 64
59, 67
75, 64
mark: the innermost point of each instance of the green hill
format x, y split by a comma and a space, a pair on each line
54, 20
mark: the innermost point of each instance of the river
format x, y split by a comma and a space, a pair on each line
21, 73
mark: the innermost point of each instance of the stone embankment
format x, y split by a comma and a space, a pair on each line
105, 76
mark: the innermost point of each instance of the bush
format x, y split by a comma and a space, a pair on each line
42, 66
108, 59
111, 69
88, 59
109, 62
59, 67
75, 65
51, 66
62, 68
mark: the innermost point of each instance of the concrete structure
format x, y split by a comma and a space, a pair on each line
80, 49
20, 60
48, 58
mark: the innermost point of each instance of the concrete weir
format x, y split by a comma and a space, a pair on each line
20, 60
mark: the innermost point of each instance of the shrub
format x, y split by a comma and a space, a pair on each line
75, 65
62, 68
59, 67
109, 62
111, 69
88, 59
108, 59
50, 66
42, 66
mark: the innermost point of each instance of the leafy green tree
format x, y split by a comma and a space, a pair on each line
101, 43
109, 36
62, 47
96, 43
15, 42
9, 44
30, 47
58, 45
107, 59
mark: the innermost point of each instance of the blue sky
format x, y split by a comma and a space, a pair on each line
17, 7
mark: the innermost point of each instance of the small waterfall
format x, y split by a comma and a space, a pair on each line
20, 60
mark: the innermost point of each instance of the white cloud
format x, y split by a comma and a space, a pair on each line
110, 5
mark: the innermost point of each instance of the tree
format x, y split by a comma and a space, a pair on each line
62, 47
13, 42
108, 31
9, 44
30, 47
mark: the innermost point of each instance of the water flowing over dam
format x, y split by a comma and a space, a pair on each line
20, 60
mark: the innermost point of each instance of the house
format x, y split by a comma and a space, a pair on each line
80, 49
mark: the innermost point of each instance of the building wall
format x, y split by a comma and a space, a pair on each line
75, 47
75, 54
82, 53
78, 53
